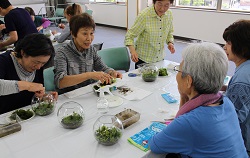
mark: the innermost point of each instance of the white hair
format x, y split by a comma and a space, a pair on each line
207, 64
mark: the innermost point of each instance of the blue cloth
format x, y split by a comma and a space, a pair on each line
8, 72
19, 20
207, 131
238, 91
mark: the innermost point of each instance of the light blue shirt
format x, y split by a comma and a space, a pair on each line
207, 131
238, 91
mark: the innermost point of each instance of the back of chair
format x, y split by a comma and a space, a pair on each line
117, 58
59, 12
98, 46
89, 12
48, 75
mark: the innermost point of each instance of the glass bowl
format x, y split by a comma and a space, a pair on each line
43, 106
108, 129
149, 72
71, 115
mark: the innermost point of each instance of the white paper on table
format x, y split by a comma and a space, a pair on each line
79, 91
89, 88
134, 94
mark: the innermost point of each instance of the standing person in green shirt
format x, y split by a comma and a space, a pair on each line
152, 28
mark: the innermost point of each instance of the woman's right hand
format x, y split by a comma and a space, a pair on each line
102, 76
61, 26
31, 87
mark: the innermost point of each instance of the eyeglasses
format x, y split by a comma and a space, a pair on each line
177, 68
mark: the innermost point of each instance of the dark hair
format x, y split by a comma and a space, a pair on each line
238, 34
171, 1
81, 21
35, 45
74, 9
4, 4
30, 11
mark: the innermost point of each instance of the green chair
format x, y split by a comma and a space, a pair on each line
90, 12
48, 76
59, 14
117, 58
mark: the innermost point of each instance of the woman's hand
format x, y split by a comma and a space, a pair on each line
134, 56
103, 77
171, 47
39, 28
55, 95
61, 26
2, 26
30, 86
115, 74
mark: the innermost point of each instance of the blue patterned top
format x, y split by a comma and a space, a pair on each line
238, 92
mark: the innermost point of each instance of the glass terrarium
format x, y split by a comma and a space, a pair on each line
108, 129
149, 72
43, 106
71, 115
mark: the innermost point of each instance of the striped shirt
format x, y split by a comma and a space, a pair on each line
152, 33
69, 61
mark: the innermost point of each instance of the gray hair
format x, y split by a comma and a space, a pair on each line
207, 64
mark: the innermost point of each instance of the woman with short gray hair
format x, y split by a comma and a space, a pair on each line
206, 124
201, 61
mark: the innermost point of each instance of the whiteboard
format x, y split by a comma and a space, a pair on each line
23, 2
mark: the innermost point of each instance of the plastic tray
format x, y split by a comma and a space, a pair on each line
128, 117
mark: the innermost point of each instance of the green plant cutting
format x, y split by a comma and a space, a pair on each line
108, 136
163, 72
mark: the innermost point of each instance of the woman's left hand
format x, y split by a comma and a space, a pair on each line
55, 94
115, 74
171, 47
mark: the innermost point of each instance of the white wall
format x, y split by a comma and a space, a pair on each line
202, 25
109, 14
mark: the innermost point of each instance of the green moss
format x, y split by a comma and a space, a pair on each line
72, 121
23, 114
44, 108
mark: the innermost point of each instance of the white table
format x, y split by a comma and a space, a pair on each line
44, 137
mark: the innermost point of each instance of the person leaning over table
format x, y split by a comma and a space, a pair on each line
69, 12
206, 124
153, 28
40, 22
77, 63
17, 22
21, 72
237, 48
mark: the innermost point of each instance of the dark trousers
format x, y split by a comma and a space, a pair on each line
138, 63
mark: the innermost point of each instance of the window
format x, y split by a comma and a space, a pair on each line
229, 5
108, 1
238, 5
210, 4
